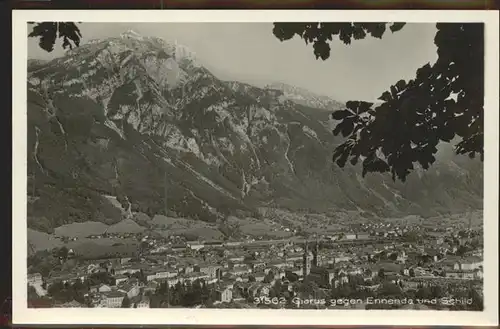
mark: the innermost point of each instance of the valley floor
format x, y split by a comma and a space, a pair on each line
388, 267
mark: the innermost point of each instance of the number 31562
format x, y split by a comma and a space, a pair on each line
269, 301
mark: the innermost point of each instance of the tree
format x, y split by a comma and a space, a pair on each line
78, 286
461, 250
437, 291
55, 288
424, 293
393, 256
62, 253
443, 103
390, 290
356, 280
43, 262
164, 295
206, 294
411, 236
477, 300
342, 291
126, 302
292, 277
308, 288
32, 294
269, 277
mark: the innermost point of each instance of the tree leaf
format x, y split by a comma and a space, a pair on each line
424, 72
386, 97
70, 33
284, 31
321, 50
377, 30
336, 131
395, 27
400, 85
394, 92
47, 34
359, 107
347, 126
339, 150
342, 159
358, 32
341, 114
345, 36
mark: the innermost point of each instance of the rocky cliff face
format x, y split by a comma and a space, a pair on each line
140, 120
305, 97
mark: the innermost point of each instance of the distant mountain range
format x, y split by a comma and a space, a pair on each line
305, 97
135, 120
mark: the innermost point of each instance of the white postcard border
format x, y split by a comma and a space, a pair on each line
24, 315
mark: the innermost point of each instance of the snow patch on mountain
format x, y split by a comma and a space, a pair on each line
110, 124
305, 97
308, 131
221, 109
131, 34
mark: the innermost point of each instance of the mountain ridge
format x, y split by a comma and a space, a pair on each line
131, 118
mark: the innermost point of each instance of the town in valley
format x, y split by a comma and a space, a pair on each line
369, 266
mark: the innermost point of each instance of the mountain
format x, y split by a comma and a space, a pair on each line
305, 97
133, 124
34, 64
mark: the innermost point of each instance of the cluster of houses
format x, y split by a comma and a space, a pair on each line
113, 296
239, 271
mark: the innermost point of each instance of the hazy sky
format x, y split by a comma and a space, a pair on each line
250, 52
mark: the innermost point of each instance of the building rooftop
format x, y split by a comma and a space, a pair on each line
471, 259
388, 267
114, 294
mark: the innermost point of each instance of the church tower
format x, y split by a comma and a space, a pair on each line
316, 254
306, 266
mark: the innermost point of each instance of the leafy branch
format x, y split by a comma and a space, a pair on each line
49, 32
443, 103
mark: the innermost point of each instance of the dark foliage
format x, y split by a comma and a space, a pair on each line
101, 278
49, 32
126, 302
416, 115
67, 292
185, 295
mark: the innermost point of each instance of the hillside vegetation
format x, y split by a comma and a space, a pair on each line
112, 131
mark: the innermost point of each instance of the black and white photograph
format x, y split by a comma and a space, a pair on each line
276, 166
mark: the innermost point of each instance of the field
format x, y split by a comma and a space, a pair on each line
89, 248
41, 241
272, 224
264, 227
85, 229
475, 217
191, 229
125, 226
81, 230
107, 247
